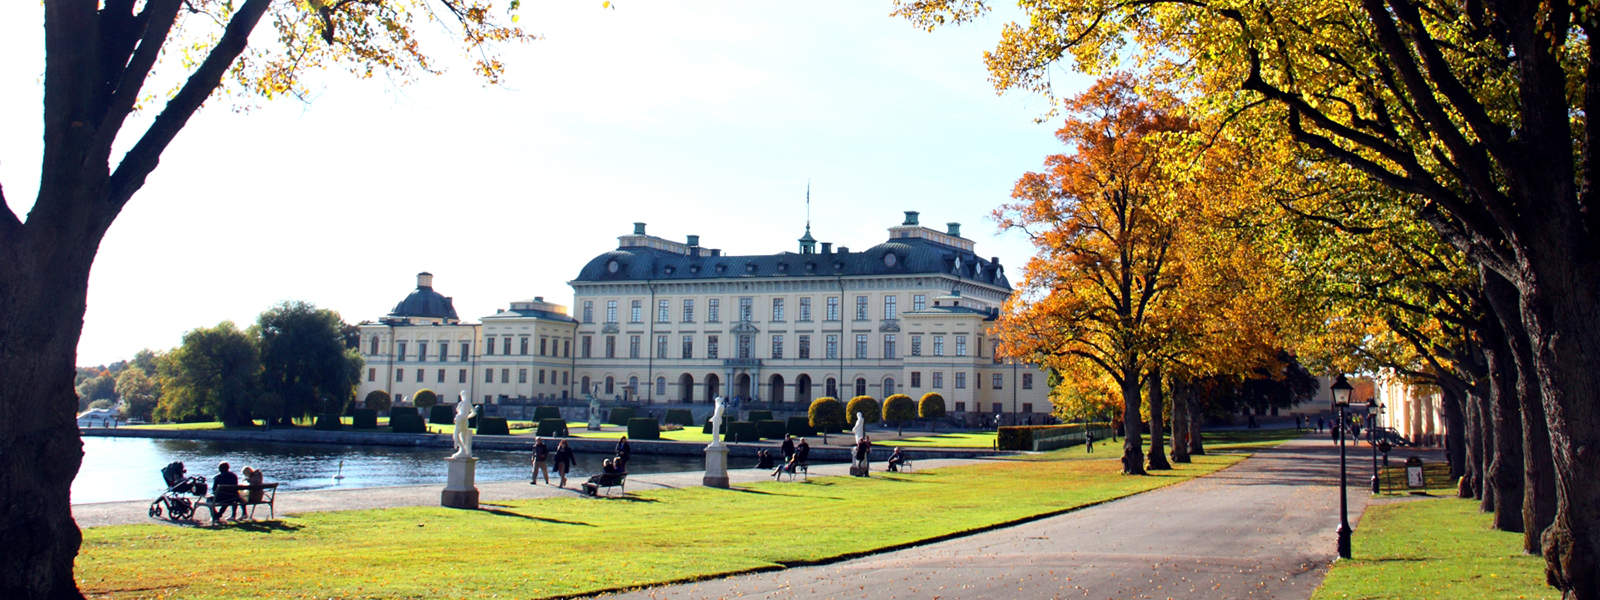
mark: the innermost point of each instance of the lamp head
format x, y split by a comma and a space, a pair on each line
1341, 391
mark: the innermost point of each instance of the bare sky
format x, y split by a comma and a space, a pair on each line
696, 117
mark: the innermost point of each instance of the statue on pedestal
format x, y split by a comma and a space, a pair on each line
717, 452
860, 430
460, 489
463, 431
594, 413
716, 421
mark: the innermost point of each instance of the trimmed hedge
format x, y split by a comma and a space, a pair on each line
364, 418
400, 411
771, 429
826, 415
757, 416
680, 416
541, 413
644, 428
442, 415
620, 415
742, 431
329, 422
931, 406
799, 427
706, 426
425, 398
867, 406
378, 400
407, 423
552, 428
899, 408
493, 426
1041, 437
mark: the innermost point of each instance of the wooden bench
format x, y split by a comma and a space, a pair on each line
799, 468
606, 481
269, 495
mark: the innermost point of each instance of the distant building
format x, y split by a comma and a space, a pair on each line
97, 417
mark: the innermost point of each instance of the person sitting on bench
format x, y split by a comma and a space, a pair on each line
895, 460
795, 460
224, 492
592, 486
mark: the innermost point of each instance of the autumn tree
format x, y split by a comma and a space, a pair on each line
139, 392
101, 57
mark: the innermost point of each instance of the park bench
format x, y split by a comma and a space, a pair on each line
608, 480
269, 495
799, 468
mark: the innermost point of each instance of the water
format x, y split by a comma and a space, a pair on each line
117, 469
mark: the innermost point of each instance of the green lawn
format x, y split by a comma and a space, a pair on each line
979, 439
1435, 548
573, 545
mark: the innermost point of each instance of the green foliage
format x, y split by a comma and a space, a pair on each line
826, 415
620, 415
931, 406
102, 403
541, 413
424, 399
139, 392
866, 405
329, 422
1022, 437
680, 416
404, 410
742, 431
378, 400
899, 408
407, 423
304, 358
214, 374
706, 426
771, 429
440, 414
549, 427
364, 418
644, 428
755, 416
799, 427
493, 426
98, 387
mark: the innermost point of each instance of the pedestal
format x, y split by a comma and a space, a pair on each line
716, 466
460, 489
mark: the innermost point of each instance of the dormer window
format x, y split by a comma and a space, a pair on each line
612, 266
889, 259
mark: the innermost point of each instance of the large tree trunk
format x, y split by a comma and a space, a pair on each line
1504, 472
1158, 444
1453, 414
1132, 437
1479, 395
1197, 445
1469, 486
1180, 422
1538, 474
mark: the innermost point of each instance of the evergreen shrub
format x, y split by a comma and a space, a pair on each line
757, 416
620, 415
679, 416
826, 415
364, 418
800, 427
541, 413
493, 426
407, 423
867, 406
442, 415
552, 428
378, 400
329, 422
771, 429
931, 406
742, 431
644, 428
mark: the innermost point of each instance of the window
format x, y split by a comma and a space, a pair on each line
584, 389
587, 349
961, 345
1027, 381
995, 347
888, 387
916, 379
861, 345
888, 345
611, 346
611, 311
633, 386
961, 407
399, 374
544, 346
441, 375
633, 346
777, 347
422, 352
488, 375
661, 386
505, 346
488, 345
861, 308
663, 311
711, 346
421, 376
522, 375
999, 382
566, 378
661, 346
833, 308
487, 398
805, 309
861, 386
713, 310
505, 375
916, 345
961, 380
938, 345
523, 341
588, 311
541, 376
636, 311
466, 351
746, 308
372, 374
402, 351
1027, 407
461, 376
745, 347
804, 350
688, 310
611, 385
833, 388
998, 408
688, 346
832, 350
919, 302
566, 348
444, 351
777, 309
889, 310
938, 380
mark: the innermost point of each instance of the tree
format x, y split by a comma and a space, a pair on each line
897, 409
304, 358
826, 415
424, 399
215, 373
866, 406
139, 392
377, 400
98, 57
931, 407
98, 387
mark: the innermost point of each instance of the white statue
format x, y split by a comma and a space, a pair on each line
860, 430
463, 433
716, 421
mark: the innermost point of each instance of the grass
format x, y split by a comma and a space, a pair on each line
1435, 548
977, 439
574, 545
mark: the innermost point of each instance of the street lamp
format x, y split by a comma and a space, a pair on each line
1341, 400
1373, 410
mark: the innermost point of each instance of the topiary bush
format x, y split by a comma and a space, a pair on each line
644, 428
541, 413
826, 415
403, 410
867, 406
757, 416
743, 431
329, 422
771, 429
364, 418
799, 427
679, 416
441, 415
620, 415
425, 399
407, 423
931, 407
898, 409
493, 426
706, 427
378, 400
552, 428
1037, 437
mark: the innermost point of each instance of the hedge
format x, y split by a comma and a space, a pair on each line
407, 423
866, 405
899, 408
826, 415
425, 398
328, 422
378, 400
364, 418
400, 411
541, 413
706, 427
620, 415
742, 431
771, 429
442, 415
680, 416
756, 416
1044, 437
799, 427
552, 428
644, 428
493, 426
931, 406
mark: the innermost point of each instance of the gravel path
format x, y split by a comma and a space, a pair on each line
1263, 528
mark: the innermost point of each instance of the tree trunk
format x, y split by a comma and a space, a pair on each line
1180, 422
1196, 420
1453, 411
1158, 444
1504, 472
1132, 437
1468, 487
1538, 473
1479, 395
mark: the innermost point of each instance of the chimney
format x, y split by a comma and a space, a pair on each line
911, 217
716, 252
955, 229
638, 228
995, 260
844, 249
538, 298
694, 240
827, 247
425, 280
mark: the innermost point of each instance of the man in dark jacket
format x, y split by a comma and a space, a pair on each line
224, 492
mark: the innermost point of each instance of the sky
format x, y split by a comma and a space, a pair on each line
705, 118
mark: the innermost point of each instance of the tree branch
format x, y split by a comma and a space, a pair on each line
158, 18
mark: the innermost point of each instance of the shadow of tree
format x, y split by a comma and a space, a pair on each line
507, 513
258, 526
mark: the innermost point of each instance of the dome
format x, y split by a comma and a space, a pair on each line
425, 303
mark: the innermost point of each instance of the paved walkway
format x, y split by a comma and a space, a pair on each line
136, 511
1261, 529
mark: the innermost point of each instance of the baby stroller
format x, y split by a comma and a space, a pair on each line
176, 501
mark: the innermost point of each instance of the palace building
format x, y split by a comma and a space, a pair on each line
660, 322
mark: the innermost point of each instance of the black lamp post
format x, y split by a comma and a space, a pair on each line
1373, 410
1341, 400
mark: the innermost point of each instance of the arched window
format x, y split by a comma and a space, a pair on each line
861, 386
661, 386
611, 385
374, 345
633, 387
832, 388
584, 387
888, 387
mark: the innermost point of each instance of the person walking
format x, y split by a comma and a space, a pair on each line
787, 447
624, 452
540, 454
564, 461
1088, 441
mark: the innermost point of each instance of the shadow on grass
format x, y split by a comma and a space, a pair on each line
627, 498
259, 526
507, 513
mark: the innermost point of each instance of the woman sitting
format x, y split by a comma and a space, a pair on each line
592, 486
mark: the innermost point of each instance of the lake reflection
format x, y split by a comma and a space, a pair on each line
130, 468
